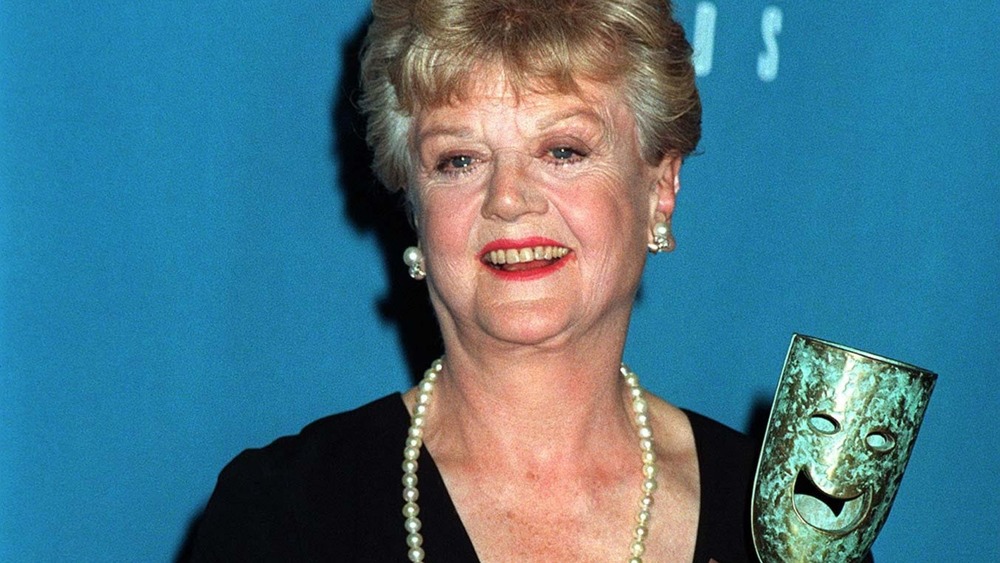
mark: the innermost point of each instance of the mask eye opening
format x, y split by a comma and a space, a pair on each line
880, 441
824, 423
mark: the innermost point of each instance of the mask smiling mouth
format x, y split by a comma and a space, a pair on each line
827, 513
526, 258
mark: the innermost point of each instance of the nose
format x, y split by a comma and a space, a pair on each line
511, 192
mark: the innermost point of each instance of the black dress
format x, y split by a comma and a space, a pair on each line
333, 493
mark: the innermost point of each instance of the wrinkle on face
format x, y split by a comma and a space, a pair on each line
493, 144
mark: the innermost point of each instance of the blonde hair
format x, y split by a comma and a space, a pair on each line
422, 53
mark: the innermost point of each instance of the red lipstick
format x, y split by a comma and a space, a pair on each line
523, 271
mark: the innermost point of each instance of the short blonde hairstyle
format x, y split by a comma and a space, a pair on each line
423, 53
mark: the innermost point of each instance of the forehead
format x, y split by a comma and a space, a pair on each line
537, 105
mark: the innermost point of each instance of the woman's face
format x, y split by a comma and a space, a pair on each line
534, 212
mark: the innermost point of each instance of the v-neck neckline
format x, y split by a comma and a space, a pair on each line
445, 536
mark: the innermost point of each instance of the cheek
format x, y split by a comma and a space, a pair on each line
608, 211
444, 222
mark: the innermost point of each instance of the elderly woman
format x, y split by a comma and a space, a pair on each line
539, 144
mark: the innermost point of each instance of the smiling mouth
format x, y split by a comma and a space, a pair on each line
522, 259
827, 513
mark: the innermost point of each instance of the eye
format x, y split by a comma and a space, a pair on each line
455, 163
564, 155
880, 441
824, 423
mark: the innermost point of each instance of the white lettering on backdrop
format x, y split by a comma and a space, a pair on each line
770, 27
704, 38
703, 41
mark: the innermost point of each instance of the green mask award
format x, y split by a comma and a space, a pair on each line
842, 426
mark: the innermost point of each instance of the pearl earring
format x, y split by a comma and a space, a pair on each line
414, 258
662, 241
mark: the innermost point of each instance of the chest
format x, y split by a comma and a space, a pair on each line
586, 523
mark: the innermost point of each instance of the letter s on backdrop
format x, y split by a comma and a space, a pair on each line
770, 27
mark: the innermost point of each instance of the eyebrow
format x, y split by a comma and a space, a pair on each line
585, 112
462, 132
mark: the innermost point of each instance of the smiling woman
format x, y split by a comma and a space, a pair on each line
513, 195
540, 146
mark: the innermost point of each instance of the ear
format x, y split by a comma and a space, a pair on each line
662, 197
666, 184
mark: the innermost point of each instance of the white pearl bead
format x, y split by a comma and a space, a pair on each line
411, 256
411, 510
637, 548
415, 554
410, 466
414, 540
412, 525
410, 494
639, 405
411, 453
410, 479
660, 229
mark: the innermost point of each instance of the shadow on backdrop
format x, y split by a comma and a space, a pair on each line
370, 209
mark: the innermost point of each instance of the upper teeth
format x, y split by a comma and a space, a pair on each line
515, 256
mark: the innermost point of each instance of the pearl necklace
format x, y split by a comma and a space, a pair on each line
415, 440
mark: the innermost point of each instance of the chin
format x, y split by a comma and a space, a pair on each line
531, 323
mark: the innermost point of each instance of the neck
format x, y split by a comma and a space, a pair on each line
536, 409
550, 471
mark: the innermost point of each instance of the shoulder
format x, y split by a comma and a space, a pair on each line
717, 442
329, 444
282, 501
726, 463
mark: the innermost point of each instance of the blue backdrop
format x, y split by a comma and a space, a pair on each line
193, 260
